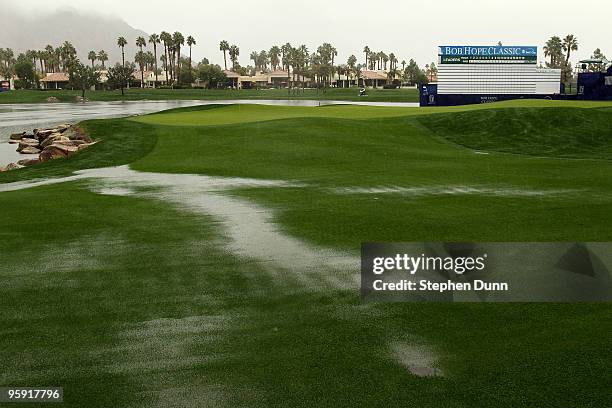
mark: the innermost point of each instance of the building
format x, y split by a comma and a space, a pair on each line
55, 80
477, 74
374, 78
595, 85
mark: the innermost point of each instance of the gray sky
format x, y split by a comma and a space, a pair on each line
410, 29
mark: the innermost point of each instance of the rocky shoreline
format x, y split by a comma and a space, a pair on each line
51, 143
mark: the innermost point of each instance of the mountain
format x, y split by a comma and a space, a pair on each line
86, 31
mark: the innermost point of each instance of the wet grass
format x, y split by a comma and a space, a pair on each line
170, 319
561, 132
137, 94
90, 282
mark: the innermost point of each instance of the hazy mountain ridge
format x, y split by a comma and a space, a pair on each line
86, 31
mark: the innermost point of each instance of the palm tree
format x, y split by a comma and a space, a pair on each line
224, 46
154, 39
166, 38
255, 58
366, 51
403, 65
102, 57
42, 56
570, 43
141, 59
234, 52
92, 56
274, 56
140, 42
177, 41
49, 54
121, 42
190, 42
554, 50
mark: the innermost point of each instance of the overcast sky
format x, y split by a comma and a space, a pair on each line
410, 29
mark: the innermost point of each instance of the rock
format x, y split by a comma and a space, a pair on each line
51, 153
17, 136
68, 149
26, 143
29, 150
81, 99
9, 167
63, 127
52, 99
55, 137
42, 133
75, 133
13, 141
86, 145
28, 162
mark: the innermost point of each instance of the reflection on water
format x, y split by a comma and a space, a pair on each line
19, 117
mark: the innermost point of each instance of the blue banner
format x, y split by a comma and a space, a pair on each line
488, 51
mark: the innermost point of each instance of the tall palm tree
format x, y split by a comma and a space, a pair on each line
49, 58
42, 56
102, 57
234, 52
366, 51
274, 56
570, 43
177, 41
141, 59
403, 65
554, 49
190, 42
224, 46
154, 39
140, 42
92, 56
121, 42
166, 38
255, 58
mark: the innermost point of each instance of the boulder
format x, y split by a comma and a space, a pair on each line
9, 167
52, 99
77, 142
17, 136
76, 134
55, 137
25, 143
86, 145
11, 141
42, 133
68, 149
51, 153
28, 162
29, 150
29, 142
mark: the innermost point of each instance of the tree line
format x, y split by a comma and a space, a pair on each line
165, 51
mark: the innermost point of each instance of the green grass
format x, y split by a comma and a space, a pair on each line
562, 132
137, 94
82, 273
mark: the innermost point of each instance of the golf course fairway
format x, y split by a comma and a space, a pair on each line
154, 285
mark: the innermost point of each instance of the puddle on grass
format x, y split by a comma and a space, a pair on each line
452, 190
249, 229
419, 359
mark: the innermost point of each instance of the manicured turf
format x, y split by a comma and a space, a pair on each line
137, 94
90, 278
